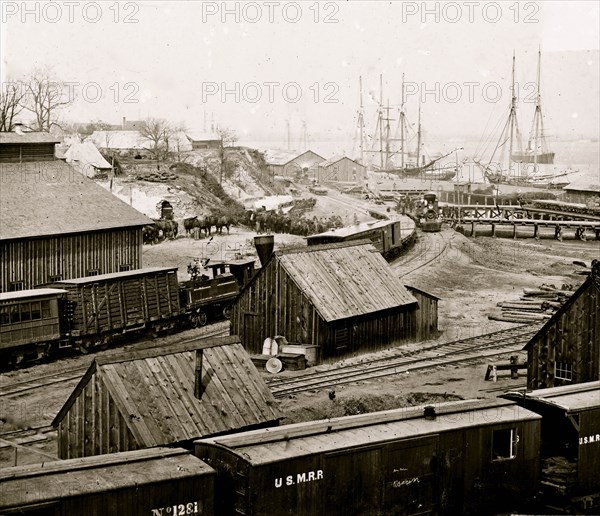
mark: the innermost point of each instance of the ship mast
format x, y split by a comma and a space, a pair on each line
419, 136
402, 122
361, 123
537, 117
513, 114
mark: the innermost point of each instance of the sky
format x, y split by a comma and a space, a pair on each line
257, 67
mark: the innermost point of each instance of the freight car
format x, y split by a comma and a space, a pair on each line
153, 482
91, 312
475, 456
390, 237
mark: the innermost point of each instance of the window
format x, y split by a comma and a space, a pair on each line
15, 314
25, 312
16, 285
4, 317
563, 371
124, 267
504, 444
36, 311
46, 313
55, 278
93, 272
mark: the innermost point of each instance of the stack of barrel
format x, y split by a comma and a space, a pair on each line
535, 305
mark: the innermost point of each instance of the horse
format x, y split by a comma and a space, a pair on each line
189, 224
223, 222
150, 234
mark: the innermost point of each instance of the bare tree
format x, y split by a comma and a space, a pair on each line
157, 132
228, 136
11, 104
44, 97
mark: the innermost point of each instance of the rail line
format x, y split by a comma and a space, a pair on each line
473, 348
17, 388
401, 262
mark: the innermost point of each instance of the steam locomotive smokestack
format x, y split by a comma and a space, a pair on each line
264, 247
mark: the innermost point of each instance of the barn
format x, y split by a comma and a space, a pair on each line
292, 165
341, 169
566, 350
55, 223
466, 457
342, 298
164, 396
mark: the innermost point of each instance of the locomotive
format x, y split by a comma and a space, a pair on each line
428, 213
91, 312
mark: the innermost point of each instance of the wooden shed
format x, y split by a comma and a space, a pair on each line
341, 169
137, 483
566, 349
570, 441
20, 147
293, 165
163, 396
427, 315
343, 298
466, 457
57, 224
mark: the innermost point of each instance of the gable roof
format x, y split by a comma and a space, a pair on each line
202, 136
335, 159
86, 156
154, 391
283, 157
570, 398
120, 140
47, 198
344, 280
592, 279
31, 137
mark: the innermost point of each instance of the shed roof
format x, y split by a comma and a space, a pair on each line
47, 198
31, 294
592, 279
344, 280
41, 483
584, 184
570, 398
202, 136
31, 137
347, 231
271, 445
120, 140
154, 391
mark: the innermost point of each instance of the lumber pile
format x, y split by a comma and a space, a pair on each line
535, 305
559, 475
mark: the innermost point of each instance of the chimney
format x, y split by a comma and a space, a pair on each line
264, 247
429, 412
19, 128
123, 123
198, 388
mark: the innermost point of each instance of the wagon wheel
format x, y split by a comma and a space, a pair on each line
199, 319
227, 311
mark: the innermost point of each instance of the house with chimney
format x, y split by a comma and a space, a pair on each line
164, 396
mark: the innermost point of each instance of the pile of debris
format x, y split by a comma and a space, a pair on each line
156, 177
535, 305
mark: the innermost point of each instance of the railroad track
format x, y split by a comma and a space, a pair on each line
219, 329
421, 255
436, 355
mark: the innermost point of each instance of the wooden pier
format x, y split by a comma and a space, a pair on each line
580, 226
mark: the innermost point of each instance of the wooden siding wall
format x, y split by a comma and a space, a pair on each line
17, 153
344, 170
33, 261
588, 478
426, 316
574, 338
93, 425
273, 305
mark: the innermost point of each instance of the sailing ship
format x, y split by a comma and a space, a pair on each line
519, 172
537, 148
388, 157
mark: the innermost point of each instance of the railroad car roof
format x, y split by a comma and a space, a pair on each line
39, 483
115, 275
345, 280
347, 231
571, 398
49, 198
33, 293
154, 390
271, 445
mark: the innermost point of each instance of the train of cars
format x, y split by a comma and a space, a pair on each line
533, 452
90, 312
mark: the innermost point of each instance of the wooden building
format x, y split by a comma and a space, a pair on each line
343, 298
20, 147
467, 457
138, 483
341, 169
583, 191
164, 396
427, 315
204, 140
570, 441
293, 165
57, 224
566, 349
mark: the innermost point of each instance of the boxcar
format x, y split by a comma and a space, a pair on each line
100, 306
570, 443
455, 458
385, 235
154, 482
29, 323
